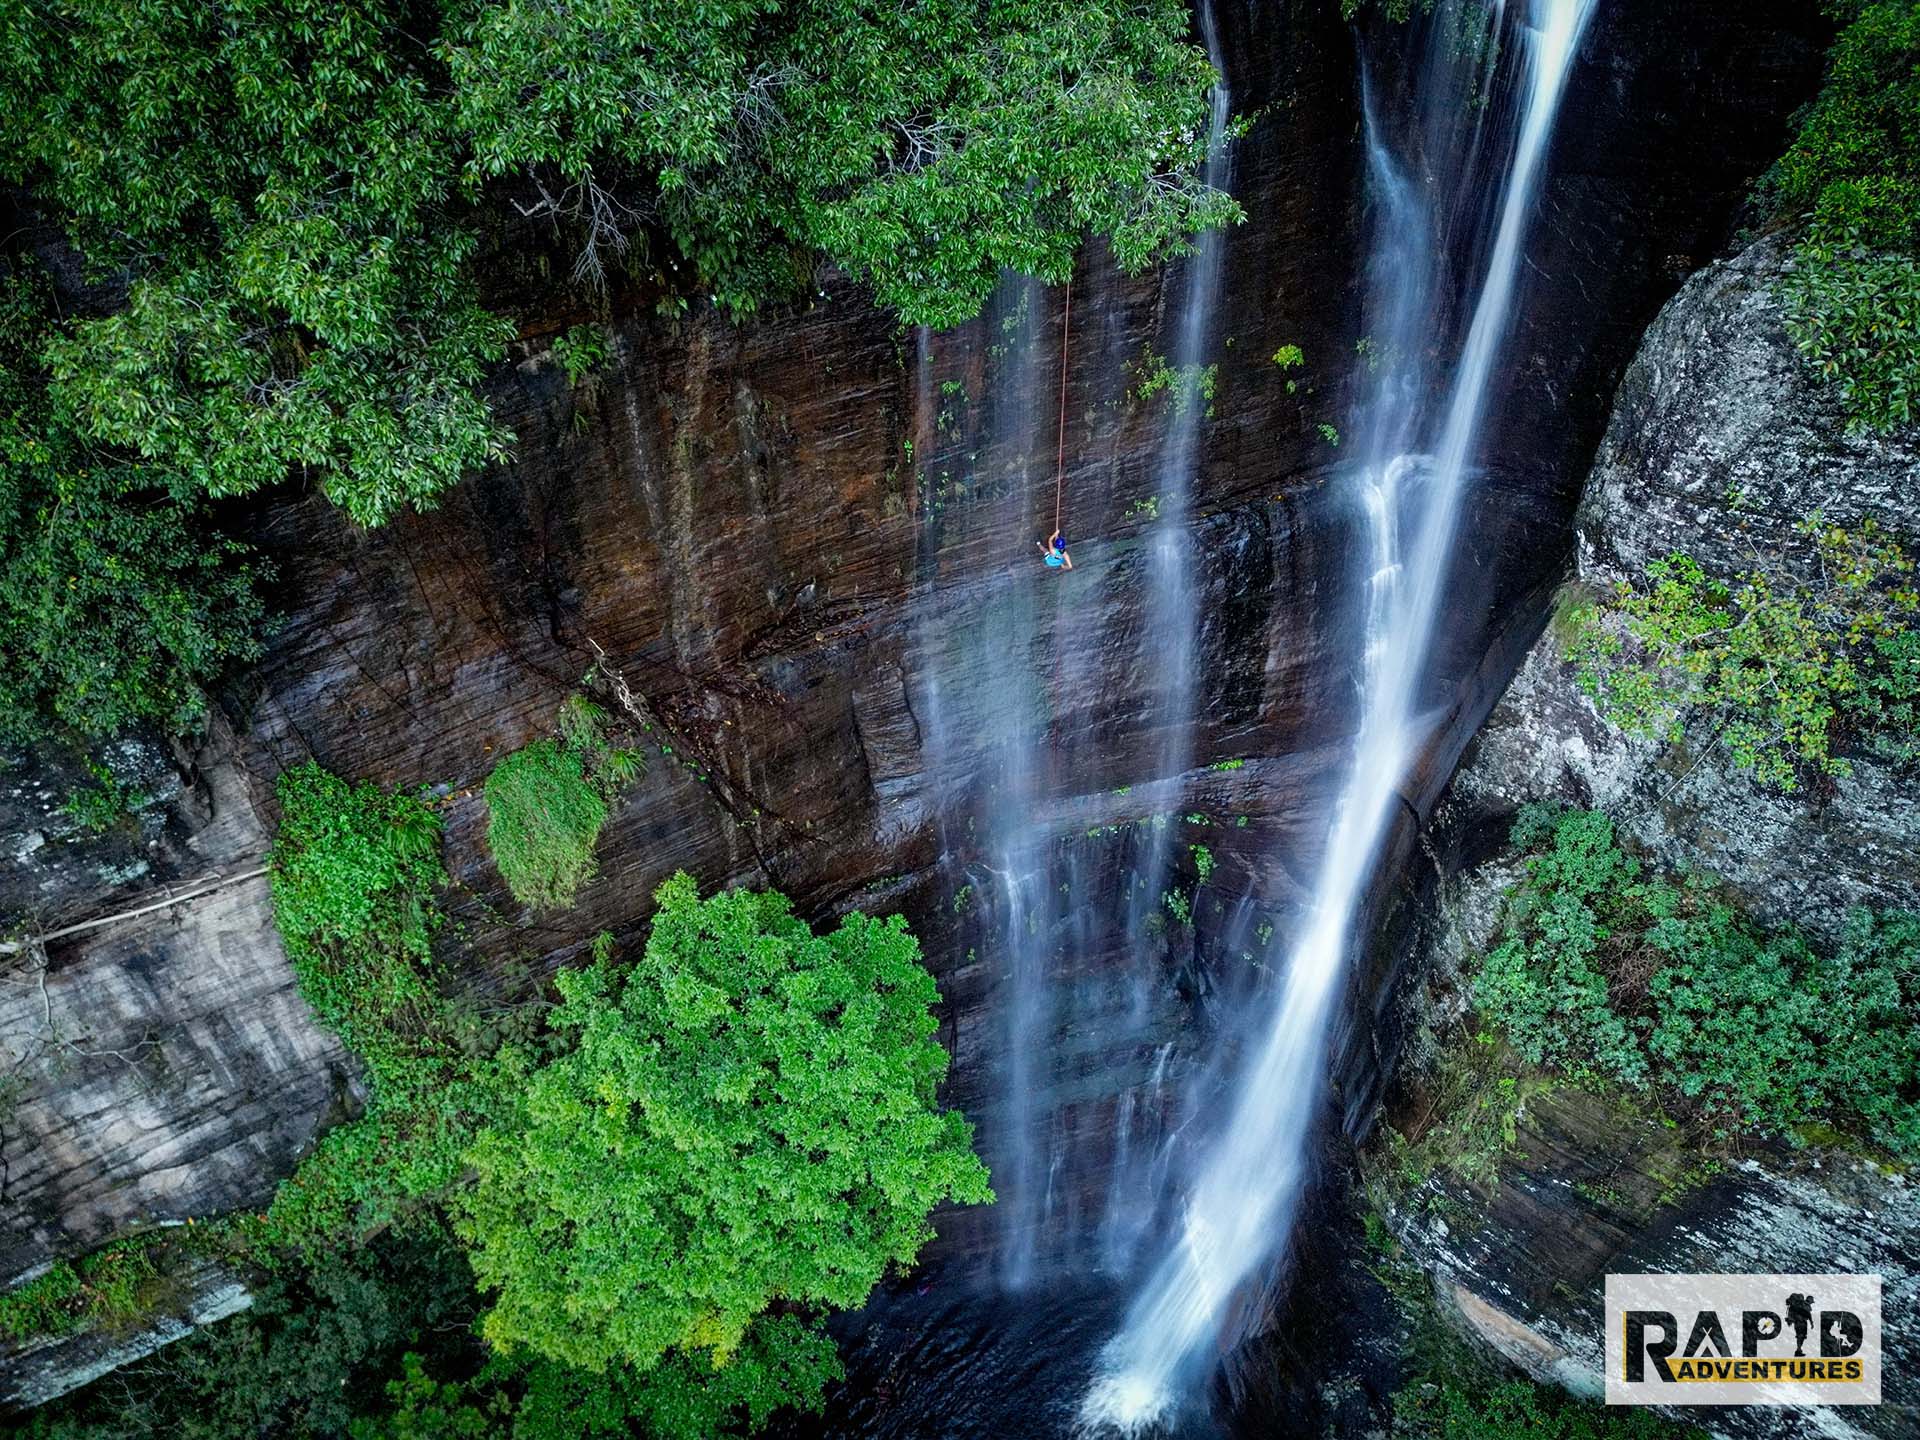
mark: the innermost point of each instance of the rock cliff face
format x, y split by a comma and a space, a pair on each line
1593, 1189
1722, 444
1720, 439
771, 529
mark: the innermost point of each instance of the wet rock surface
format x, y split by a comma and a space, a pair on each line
1722, 443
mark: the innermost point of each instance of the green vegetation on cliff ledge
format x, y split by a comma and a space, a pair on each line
783, 1363
1613, 976
1444, 1409
102, 1288
355, 875
1782, 658
1853, 171
300, 1362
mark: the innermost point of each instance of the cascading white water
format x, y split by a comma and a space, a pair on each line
982, 706
1240, 1206
1173, 605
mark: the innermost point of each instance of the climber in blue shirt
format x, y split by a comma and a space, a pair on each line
1054, 551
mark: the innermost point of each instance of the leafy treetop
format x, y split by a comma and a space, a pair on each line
747, 1117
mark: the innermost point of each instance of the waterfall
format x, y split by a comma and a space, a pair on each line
1173, 609
983, 703
1240, 1205
1014, 729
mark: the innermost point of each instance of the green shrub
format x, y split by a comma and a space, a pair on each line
117, 1278
1856, 318
108, 1287
580, 351
354, 871
1188, 388
1616, 977
747, 1117
1477, 1092
1781, 656
98, 807
354, 874
1392, 9
547, 801
1853, 297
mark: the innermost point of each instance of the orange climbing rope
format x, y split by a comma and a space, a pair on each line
1060, 458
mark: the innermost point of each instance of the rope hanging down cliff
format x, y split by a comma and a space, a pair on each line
1054, 548
1060, 455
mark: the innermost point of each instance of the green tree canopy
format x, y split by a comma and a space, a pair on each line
747, 1117
118, 600
294, 190
279, 205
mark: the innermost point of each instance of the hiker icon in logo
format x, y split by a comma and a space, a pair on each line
1800, 1320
